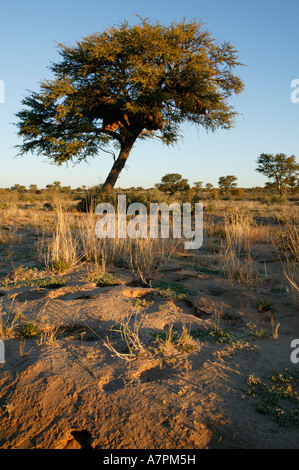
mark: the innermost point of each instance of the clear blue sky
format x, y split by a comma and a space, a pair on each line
266, 34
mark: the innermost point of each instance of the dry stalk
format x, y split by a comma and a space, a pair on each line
131, 338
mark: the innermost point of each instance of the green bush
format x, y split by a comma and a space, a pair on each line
92, 197
95, 196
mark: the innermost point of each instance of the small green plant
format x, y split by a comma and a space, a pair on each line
52, 282
32, 277
103, 279
253, 381
217, 336
183, 341
264, 306
141, 303
173, 291
276, 396
28, 330
10, 318
257, 333
167, 337
60, 265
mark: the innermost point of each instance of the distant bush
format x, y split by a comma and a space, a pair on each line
280, 199
92, 197
215, 194
264, 199
210, 207
238, 192
147, 197
95, 196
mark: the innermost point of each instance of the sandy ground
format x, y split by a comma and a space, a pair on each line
74, 393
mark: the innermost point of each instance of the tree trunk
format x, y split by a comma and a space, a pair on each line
119, 164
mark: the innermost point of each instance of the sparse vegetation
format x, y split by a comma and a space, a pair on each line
133, 347
235, 292
277, 396
10, 318
28, 330
141, 303
103, 279
217, 336
288, 241
48, 335
282, 171
26, 277
258, 333
183, 342
162, 317
235, 253
227, 183
173, 291
264, 306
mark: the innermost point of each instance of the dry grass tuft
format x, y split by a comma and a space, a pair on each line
288, 242
235, 256
10, 318
130, 335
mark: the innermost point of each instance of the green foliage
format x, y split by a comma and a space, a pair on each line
197, 185
32, 277
51, 282
210, 207
258, 333
227, 183
183, 341
60, 265
18, 187
215, 194
264, 306
128, 83
141, 303
95, 196
172, 183
217, 336
282, 171
103, 279
28, 330
276, 396
146, 197
173, 291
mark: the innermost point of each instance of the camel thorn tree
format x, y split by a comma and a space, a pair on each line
128, 83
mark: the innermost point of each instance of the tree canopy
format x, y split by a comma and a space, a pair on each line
128, 83
283, 171
173, 182
226, 183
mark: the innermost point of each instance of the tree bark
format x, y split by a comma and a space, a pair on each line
119, 164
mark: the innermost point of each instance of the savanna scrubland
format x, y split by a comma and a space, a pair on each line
141, 343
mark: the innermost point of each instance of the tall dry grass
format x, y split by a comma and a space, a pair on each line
64, 244
288, 247
235, 253
10, 317
74, 241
